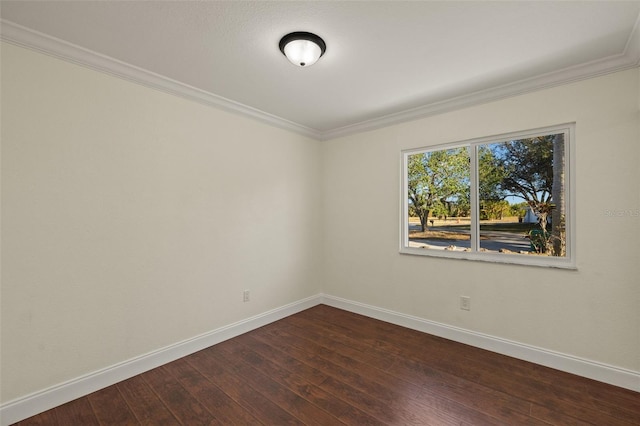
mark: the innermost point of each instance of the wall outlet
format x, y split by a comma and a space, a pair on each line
465, 303
246, 296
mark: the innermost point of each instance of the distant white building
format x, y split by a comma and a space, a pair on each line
530, 217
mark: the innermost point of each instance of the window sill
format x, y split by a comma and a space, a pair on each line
513, 259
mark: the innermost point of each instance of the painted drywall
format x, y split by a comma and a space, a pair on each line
591, 313
133, 219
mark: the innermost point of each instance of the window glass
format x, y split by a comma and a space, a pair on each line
501, 199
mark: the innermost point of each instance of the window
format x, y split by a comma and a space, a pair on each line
505, 198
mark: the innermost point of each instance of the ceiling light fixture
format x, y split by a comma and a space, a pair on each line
302, 48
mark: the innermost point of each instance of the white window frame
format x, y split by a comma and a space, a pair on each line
567, 262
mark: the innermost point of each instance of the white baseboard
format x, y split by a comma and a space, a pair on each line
30, 405
22, 408
571, 364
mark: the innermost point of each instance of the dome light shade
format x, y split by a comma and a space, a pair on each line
302, 48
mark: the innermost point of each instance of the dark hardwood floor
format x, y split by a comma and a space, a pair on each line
325, 366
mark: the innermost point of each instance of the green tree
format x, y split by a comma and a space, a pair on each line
528, 168
435, 179
491, 174
519, 209
493, 209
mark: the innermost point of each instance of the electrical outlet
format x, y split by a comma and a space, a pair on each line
245, 296
465, 303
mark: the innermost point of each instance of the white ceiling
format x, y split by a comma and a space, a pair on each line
386, 61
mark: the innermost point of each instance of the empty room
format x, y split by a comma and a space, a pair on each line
287, 212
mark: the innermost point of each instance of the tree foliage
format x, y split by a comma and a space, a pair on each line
534, 171
491, 174
519, 209
435, 179
528, 168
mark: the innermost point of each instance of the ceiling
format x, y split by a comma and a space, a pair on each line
386, 61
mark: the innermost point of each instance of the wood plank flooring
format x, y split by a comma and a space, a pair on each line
325, 366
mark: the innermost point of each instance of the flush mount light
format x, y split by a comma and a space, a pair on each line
302, 48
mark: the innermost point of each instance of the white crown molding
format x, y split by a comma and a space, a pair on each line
568, 363
632, 48
43, 43
627, 60
30, 405
25, 37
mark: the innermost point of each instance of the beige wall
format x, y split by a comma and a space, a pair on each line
590, 313
133, 219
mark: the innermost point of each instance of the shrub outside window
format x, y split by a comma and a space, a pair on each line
505, 198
